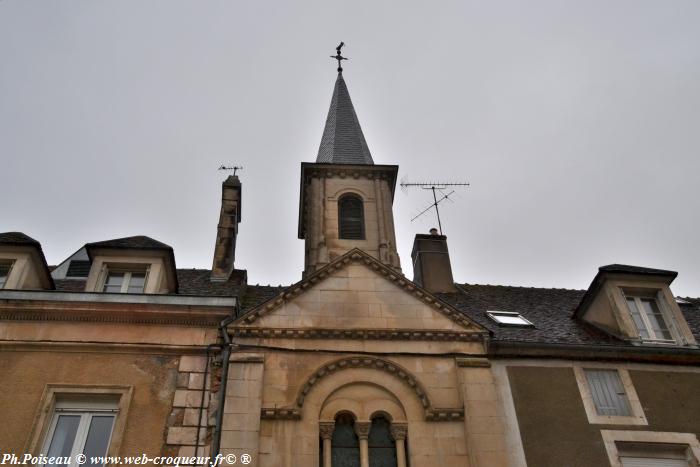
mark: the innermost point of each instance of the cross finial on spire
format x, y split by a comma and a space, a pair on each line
339, 57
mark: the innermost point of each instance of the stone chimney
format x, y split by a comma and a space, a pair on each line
431, 263
225, 247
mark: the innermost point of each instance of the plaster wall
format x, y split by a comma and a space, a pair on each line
25, 375
552, 420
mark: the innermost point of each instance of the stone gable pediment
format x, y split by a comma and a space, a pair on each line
356, 294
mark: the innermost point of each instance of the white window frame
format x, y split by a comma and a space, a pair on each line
637, 416
86, 410
494, 314
54, 396
637, 297
612, 437
9, 263
127, 270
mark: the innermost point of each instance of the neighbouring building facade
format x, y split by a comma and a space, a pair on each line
117, 351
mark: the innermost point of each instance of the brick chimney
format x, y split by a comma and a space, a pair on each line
431, 263
230, 217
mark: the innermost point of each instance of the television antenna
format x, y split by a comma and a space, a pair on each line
433, 186
234, 168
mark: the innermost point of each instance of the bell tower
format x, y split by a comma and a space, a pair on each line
345, 198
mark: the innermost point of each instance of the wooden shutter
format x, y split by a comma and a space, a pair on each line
652, 462
608, 393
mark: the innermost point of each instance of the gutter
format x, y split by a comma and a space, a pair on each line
518, 349
102, 297
225, 355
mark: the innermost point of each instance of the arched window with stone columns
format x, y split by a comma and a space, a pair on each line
344, 442
382, 447
373, 402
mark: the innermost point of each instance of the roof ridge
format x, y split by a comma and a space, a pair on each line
466, 284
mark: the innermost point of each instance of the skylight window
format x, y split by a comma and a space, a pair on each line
508, 318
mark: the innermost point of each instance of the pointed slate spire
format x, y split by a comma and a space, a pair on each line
342, 141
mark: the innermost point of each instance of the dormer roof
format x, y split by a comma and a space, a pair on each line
619, 269
19, 240
138, 242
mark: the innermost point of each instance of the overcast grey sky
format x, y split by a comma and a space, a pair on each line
576, 122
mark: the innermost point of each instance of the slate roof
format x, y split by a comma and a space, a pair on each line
550, 310
257, 294
197, 282
17, 238
343, 141
190, 281
70, 285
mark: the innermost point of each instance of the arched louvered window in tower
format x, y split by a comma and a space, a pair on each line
351, 221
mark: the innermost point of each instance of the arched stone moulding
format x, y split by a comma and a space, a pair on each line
368, 362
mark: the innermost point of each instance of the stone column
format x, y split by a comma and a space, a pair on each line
240, 431
383, 254
484, 419
398, 432
362, 431
326, 429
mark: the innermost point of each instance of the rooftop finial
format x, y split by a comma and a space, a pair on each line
339, 57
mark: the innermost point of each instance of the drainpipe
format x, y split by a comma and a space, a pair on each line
225, 354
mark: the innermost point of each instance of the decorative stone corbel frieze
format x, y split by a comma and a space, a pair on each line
356, 334
472, 362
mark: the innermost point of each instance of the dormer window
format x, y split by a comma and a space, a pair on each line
5, 267
648, 318
122, 280
635, 304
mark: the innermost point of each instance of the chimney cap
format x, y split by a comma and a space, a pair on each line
433, 231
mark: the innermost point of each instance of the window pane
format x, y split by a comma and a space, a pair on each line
608, 393
637, 318
510, 319
658, 323
345, 450
137, 281
382, 448
114, 282
4, 272
63, 436
98, 437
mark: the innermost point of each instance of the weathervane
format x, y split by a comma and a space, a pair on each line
339, 57
234, 168
439, 186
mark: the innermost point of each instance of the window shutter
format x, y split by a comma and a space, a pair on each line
351, 218
651, 462
608, 393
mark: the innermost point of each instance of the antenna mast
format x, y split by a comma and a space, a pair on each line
433, 186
